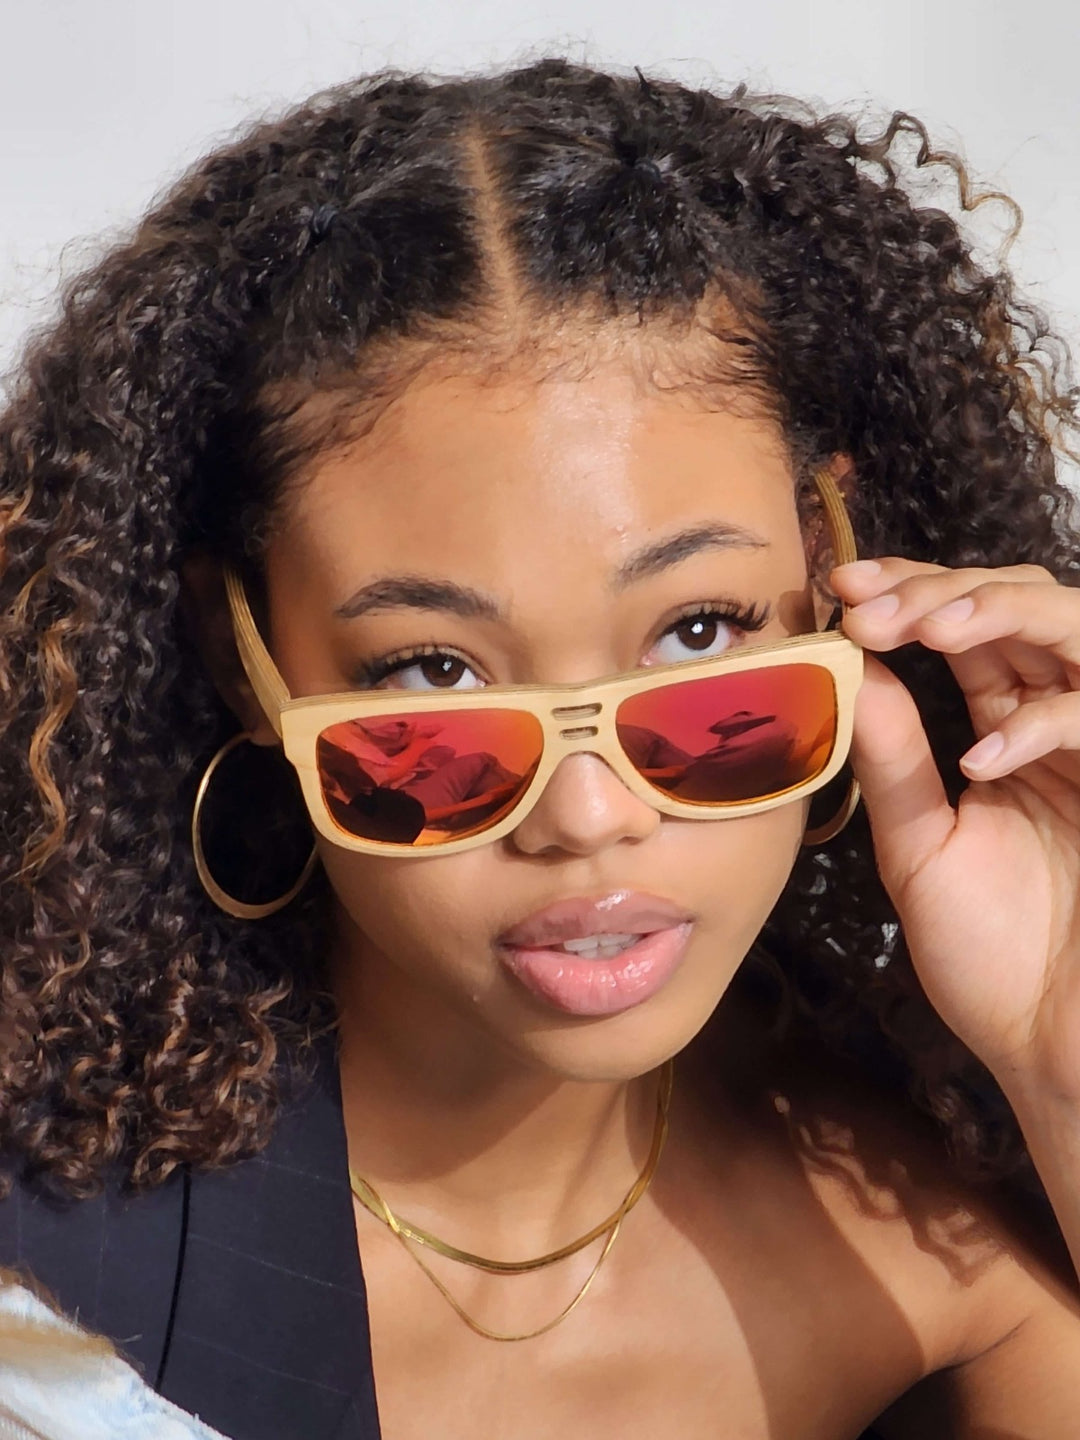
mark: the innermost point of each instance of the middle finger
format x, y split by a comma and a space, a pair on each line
996, 626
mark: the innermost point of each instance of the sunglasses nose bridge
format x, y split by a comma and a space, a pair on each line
575, 725
587, 729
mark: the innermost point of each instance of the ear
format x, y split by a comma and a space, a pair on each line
205, 610
842, 469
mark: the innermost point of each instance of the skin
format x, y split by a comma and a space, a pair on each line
771, 1275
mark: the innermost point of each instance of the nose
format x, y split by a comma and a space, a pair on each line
584, 808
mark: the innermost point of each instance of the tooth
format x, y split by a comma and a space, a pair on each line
598, 943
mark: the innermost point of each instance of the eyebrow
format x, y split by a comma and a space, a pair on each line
662, 554
415, 592
412, 592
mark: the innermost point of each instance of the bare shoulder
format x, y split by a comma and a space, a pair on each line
991, 1290
976, 1289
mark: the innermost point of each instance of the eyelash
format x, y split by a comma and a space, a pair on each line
745, 618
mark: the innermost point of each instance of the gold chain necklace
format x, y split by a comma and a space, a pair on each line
372, 1201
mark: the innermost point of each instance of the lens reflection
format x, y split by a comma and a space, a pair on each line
420, 779
732, 738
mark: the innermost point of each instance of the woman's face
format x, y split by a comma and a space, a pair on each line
534, 495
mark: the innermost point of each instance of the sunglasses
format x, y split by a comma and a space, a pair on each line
407, 773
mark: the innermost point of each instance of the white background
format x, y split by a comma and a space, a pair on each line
103, 101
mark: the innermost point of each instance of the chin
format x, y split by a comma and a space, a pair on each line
616, 1048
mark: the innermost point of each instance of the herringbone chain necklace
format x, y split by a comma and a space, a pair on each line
371, 1200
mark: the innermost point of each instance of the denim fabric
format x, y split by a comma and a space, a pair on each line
76, 1397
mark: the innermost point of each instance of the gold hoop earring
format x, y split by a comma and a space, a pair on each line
821, 834
238, 909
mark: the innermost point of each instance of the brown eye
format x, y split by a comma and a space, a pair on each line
420, 670
705, 632
698, 632
444, 671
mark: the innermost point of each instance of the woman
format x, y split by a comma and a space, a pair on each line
478, 453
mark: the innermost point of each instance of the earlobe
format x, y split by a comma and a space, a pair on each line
205, 612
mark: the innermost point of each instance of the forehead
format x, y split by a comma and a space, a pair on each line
492, 477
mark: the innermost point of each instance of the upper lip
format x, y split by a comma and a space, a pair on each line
619, 912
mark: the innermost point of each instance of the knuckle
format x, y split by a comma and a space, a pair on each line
916, 587
1046, 719
902, 571
994, 591
1033, 574
1031, 592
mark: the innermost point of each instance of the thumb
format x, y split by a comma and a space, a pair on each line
910, 816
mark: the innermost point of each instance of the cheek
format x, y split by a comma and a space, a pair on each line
408, 909
737, 869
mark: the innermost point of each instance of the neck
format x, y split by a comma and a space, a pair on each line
467, 1139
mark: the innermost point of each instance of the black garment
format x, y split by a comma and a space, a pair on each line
238, 1293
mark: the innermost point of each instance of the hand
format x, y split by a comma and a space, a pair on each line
988, 894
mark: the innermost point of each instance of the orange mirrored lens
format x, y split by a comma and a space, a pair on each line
426, 778
731, 739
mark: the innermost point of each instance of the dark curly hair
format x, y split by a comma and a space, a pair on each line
140, 1027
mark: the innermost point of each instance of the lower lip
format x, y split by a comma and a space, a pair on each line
599, 987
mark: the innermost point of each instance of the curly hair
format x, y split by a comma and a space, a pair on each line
140, 1027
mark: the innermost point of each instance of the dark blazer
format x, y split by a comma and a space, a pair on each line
238, 1293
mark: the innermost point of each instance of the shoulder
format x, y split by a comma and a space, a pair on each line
115, 1260
111, 1259
970, 1266
992, 1295
980, 1289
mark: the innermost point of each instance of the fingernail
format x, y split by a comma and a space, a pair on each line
955, 611
882, 607
985, 752
858, 569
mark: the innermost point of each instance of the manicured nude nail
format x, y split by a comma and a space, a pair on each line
985, 752
955, 611
882, 607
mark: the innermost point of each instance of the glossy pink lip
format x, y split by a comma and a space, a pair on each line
620, 912
580, 986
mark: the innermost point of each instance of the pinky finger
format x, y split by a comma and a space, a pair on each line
1030, 732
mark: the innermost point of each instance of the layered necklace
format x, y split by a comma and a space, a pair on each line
412, 1236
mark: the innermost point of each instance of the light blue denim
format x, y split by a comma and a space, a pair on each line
77, 1397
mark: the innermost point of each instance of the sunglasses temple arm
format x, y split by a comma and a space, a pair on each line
843, 537
270, 689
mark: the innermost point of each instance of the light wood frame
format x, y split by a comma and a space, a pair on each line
573, 718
